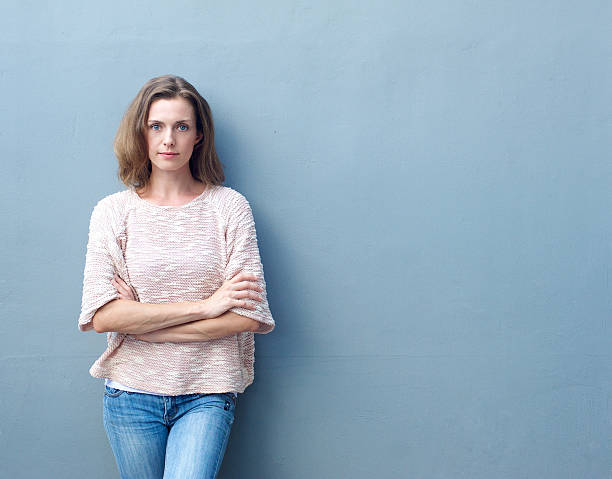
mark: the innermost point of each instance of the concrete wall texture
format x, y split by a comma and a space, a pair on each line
431, 184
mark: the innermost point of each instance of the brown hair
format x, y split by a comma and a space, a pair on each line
130, 141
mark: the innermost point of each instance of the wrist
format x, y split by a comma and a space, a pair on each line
202, 309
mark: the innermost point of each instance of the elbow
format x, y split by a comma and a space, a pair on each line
259, 327
253, 326
98, 323
244, 323
247, 325
99, 320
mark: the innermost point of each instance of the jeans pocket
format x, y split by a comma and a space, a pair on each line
112, 392
226, 401
233, 397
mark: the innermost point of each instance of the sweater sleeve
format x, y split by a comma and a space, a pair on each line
99, 268
243, 256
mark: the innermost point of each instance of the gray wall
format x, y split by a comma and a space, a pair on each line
431, 187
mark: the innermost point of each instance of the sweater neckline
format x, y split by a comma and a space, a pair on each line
195, 200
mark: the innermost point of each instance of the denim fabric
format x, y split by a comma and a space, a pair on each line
169, 437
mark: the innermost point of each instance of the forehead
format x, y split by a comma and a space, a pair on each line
171, 109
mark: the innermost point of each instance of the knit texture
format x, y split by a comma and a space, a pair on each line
170, 254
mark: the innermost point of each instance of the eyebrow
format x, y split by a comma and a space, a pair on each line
178, 121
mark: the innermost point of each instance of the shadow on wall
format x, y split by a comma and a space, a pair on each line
250, 450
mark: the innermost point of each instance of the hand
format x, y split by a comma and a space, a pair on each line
125, 292
234, 293
148, 337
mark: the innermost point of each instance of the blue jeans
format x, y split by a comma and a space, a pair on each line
169, 437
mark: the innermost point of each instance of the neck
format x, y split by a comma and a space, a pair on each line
171, 185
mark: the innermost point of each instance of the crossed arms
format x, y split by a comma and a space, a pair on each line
185, 321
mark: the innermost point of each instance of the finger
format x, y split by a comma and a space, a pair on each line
247, 294
122, 289
248, 285
244, 277
240, 274
122, 295
124, 292
246, 305
126, 289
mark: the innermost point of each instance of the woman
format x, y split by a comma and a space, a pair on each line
173, 275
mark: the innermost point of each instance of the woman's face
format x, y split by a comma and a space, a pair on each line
171, 134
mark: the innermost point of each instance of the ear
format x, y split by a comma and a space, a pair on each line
199, 138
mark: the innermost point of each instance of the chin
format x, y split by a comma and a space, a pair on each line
170, 165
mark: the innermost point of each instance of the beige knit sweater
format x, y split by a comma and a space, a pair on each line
171, 254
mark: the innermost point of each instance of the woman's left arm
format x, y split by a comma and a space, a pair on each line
227, 324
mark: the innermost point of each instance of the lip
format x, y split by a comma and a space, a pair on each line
168, 154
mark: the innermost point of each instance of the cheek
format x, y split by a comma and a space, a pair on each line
191, 141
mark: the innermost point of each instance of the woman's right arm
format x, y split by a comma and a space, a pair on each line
126, 316
133, 317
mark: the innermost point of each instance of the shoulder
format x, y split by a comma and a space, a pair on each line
111, 209
225, 194
227, 200
114, 201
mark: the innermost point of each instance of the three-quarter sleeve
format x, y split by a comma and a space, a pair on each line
243, 256
99, 268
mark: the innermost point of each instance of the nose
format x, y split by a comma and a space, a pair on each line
169, 137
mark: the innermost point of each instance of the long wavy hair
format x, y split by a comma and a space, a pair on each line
130, 144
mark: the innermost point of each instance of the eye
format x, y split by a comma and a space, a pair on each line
155, 126
183, 128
